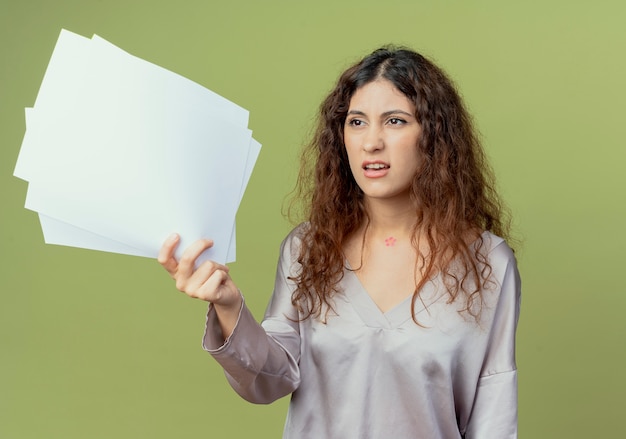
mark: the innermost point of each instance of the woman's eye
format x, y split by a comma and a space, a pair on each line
355, 122
396, 121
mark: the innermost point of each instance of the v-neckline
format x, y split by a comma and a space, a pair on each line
394, 317
373, 316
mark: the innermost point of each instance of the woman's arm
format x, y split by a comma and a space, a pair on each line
494, 412
260, 361
209, 282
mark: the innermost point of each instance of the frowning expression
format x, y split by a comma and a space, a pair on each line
381, 135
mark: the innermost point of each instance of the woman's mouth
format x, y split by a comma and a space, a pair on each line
376, 166
375, 169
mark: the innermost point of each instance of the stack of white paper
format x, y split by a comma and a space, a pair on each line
119, 153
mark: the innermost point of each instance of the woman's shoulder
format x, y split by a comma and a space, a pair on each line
298, 232
495, 247
296, 235
291, 245
500, 255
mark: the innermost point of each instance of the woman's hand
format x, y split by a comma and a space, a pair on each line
209, 282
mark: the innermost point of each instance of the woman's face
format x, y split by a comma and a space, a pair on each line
381, 135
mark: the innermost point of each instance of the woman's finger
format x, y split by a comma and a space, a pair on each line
217, 289
186, 265
199, 276
166, 254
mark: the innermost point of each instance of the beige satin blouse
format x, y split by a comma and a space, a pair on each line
367, 374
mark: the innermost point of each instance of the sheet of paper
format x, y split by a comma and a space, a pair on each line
141, 205
60, 233
185, 90
128, 152
253, 155
61, 83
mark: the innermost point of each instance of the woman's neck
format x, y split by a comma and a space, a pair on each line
390, 218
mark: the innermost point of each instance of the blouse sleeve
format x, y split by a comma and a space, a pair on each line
494, 413
261, 360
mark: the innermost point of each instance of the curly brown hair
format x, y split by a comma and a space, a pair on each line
453, 191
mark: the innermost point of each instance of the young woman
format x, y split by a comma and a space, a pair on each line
395, 305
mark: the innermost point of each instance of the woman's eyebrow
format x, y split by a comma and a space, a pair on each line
385, 114
390, 112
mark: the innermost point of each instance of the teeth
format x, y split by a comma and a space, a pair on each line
375, 166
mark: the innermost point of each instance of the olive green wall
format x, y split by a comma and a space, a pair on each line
96, 345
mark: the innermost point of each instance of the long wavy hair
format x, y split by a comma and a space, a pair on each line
453, 191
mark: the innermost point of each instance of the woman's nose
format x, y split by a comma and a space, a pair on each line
373, 139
